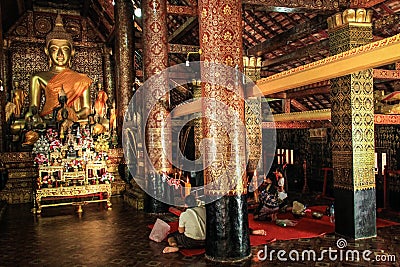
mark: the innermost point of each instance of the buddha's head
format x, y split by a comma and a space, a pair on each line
59, 45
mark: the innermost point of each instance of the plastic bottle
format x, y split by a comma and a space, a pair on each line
281, 223
332, 214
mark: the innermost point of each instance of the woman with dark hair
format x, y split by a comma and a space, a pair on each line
269, 201
192, 228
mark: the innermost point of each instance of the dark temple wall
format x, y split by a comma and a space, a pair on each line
318, 153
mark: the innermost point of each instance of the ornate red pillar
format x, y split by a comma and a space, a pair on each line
227, 219
124, 67
157, 134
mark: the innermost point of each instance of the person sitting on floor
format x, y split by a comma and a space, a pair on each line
269, 201
191, 230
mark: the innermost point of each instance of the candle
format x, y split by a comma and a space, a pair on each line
188, 187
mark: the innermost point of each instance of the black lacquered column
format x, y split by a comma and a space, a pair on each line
228, 229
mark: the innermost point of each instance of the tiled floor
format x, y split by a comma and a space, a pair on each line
120, 238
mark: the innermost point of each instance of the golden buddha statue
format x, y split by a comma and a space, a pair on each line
59, 48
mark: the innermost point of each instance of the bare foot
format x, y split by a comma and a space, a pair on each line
170, 249
259, 232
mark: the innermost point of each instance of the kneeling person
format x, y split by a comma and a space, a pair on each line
192, 228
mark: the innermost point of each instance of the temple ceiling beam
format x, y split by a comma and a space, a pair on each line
298, 32
382, 74
182, 10
295, 5
182, 49
183, 29
308, 92
324, 44
368, 56
323, 87
298, 54
298, 105
365, 3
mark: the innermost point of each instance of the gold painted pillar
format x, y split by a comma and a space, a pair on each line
198, 132
254, 133
157, 134
353, 130
124, 64
107, 72
227, 219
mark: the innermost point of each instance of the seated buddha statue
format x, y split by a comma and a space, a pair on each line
59, 48
34, 123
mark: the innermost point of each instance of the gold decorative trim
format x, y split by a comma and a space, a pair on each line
182, 49
182, 10
365, 56
357, 17
386, 74
72, 191
7, 157
312, 115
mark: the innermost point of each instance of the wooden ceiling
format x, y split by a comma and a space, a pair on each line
286, 34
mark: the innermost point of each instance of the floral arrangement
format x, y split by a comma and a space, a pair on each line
102, 143
51, 135
106, 178
41, 159
102, 155
55, 145
86, 139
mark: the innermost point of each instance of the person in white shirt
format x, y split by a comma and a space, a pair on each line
191, 230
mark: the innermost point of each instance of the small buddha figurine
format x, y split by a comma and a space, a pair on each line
18, 99
30, 137
59, 48
66, 123
10, 110
113, 117
98, 128
71, 113
34, 122
100, 104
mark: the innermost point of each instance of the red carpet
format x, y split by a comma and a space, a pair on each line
307, 227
